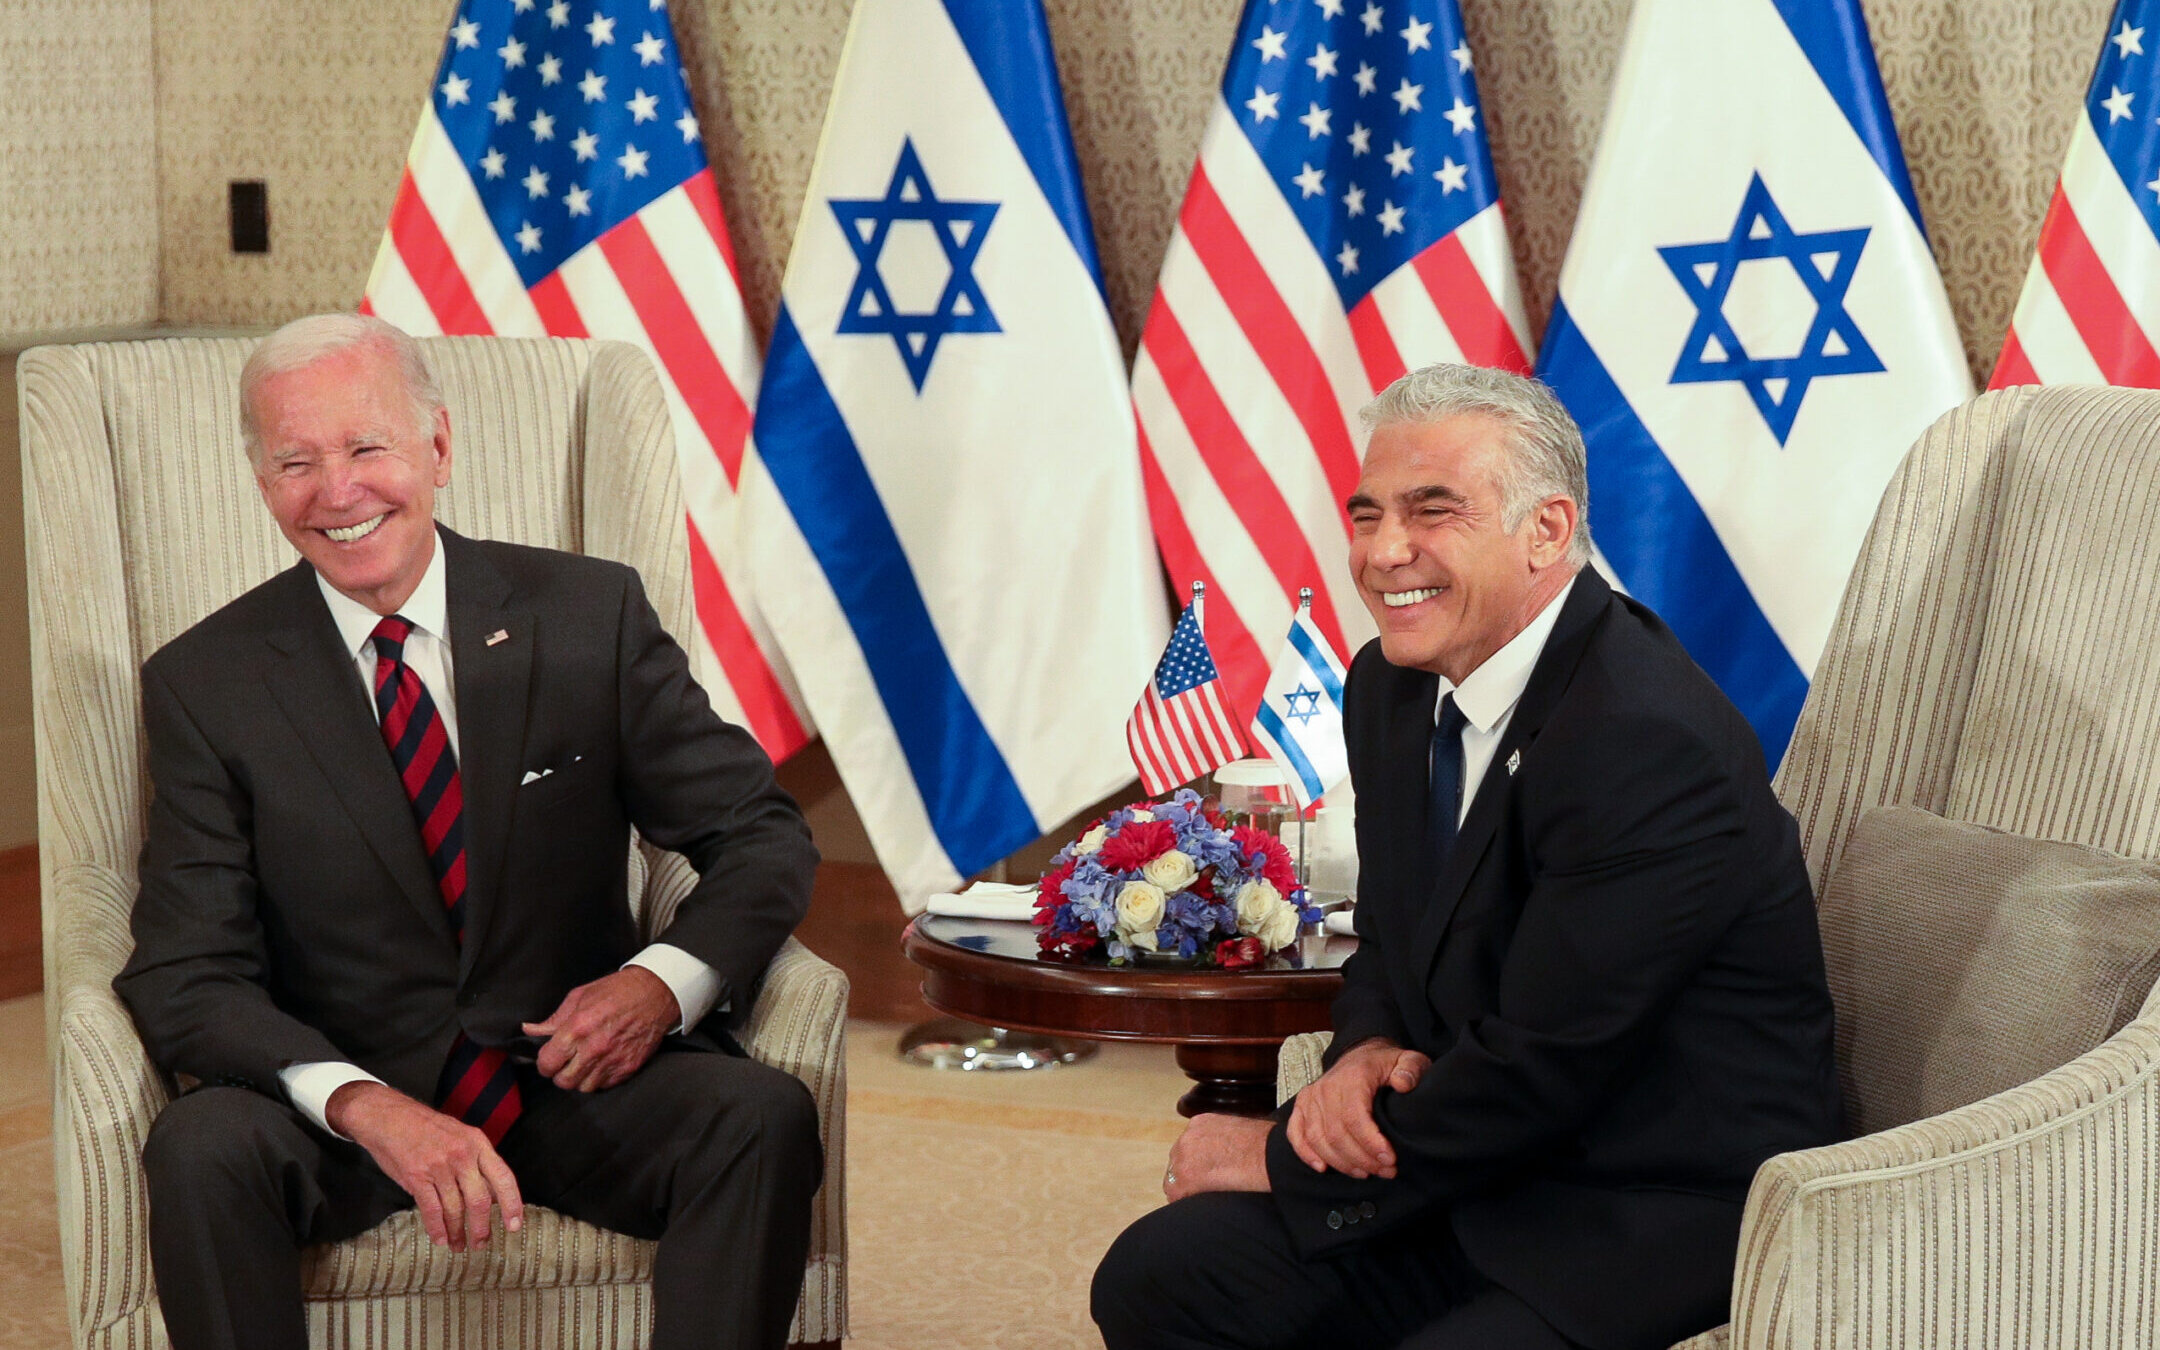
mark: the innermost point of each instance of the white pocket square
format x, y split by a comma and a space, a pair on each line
534, 776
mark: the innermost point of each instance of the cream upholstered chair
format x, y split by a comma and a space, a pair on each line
1996, 661
142, 517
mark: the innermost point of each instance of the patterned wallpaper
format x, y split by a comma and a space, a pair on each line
78, 183
319, 98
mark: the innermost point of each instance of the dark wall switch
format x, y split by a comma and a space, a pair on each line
250, 215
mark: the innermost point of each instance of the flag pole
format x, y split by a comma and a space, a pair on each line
1304, 858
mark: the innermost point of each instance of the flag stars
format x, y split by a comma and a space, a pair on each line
1367, 78
529, 237
503, 106
1406, 97
456, 90
1417, 36
1360, 139
1354, 201
1347, 260
2118, 105
632, 161
601, 30
1322, 61
512, 54
1451, 176
687, 125
643, 107
1262, 104
1270, 45
1390, 218
2154, 187
1330, 9
1462, 57
1462, 117
1311, 182
649, 50
523, 6
465, 33
594, 87
585, 146
2130, 41
559, 14
1373, 18
542, 126
1315, 122
551, 69
1398, 160
492, 164
535, 183
577, 201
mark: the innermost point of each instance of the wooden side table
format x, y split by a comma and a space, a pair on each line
1227, 1025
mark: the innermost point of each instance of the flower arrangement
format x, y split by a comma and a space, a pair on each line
1173, 877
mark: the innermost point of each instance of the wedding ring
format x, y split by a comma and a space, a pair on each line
1169, 1179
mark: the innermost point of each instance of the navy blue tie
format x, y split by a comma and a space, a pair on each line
1444, 781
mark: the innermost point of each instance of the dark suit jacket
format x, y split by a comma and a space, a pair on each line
1617, 975
286, 911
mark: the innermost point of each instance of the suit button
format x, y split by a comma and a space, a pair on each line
1334, 1218
1366, 1209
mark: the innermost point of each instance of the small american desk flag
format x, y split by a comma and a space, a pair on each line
558, 186
1180, 730
2090, 311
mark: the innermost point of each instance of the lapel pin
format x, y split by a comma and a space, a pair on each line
1514, 762
499, 635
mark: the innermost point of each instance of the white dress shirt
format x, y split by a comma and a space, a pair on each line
696, 986
1488, 695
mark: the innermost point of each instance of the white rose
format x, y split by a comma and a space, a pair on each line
1143, 813
1255, 901
1092, 841
1280, 928
1139, 910
1172, 872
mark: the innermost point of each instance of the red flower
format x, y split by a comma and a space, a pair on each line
1138, 844
1274, 859
1238, 953
1049, 893
1069, 946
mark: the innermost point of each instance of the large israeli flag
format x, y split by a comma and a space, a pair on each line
972, 601
1750, 329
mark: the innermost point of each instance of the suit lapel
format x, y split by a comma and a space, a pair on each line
320, 692
1549, 679
494, 683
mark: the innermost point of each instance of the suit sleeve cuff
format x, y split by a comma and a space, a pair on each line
309, 1087
696, 986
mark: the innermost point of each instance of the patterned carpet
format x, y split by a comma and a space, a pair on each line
978, 1203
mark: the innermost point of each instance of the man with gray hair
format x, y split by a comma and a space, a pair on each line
382, 935
1589, 997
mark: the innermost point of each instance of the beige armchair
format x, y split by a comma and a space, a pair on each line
142, 517
1996, 661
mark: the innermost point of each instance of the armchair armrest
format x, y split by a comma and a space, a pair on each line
2028, 1214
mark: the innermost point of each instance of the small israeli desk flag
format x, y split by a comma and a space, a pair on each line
1299, 722
1750, 330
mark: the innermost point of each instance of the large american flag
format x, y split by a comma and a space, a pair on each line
1342, 226
1179, 729
558, 185
2090, 311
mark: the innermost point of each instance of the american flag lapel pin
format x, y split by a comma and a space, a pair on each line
503, 635
1514, 762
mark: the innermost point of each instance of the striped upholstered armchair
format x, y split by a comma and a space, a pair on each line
1996, 662
141, 519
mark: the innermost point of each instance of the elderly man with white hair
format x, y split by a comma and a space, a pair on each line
382, 927
1589, 997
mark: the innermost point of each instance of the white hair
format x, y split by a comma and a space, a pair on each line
303, 342
1545, 456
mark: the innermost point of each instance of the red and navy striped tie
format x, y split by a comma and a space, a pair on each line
479, 1083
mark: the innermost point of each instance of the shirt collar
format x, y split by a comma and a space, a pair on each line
1487, 693
428, 607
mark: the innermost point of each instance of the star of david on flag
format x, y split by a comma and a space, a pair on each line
959, 228
557, 185
1342, 226
1299, 721
2090, 309
951, 537
1750, 330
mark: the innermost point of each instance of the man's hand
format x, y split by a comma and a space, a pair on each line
1332, 1124
1218, 1153
606, 1030
449, 1169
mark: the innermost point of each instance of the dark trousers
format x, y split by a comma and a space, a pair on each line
1219, 1271
717, 1157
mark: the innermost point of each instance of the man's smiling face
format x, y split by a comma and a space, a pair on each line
349, 470
1445, 582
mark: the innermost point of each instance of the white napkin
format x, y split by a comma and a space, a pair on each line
1339, 921
987, 900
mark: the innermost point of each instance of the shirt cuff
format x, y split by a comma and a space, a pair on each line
696, 986
309, 1086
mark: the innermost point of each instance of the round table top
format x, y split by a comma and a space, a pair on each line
989, 970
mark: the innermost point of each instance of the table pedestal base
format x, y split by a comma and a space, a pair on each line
1237, 1080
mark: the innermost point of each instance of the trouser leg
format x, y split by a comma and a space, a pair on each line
238, 1182
717, 1157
